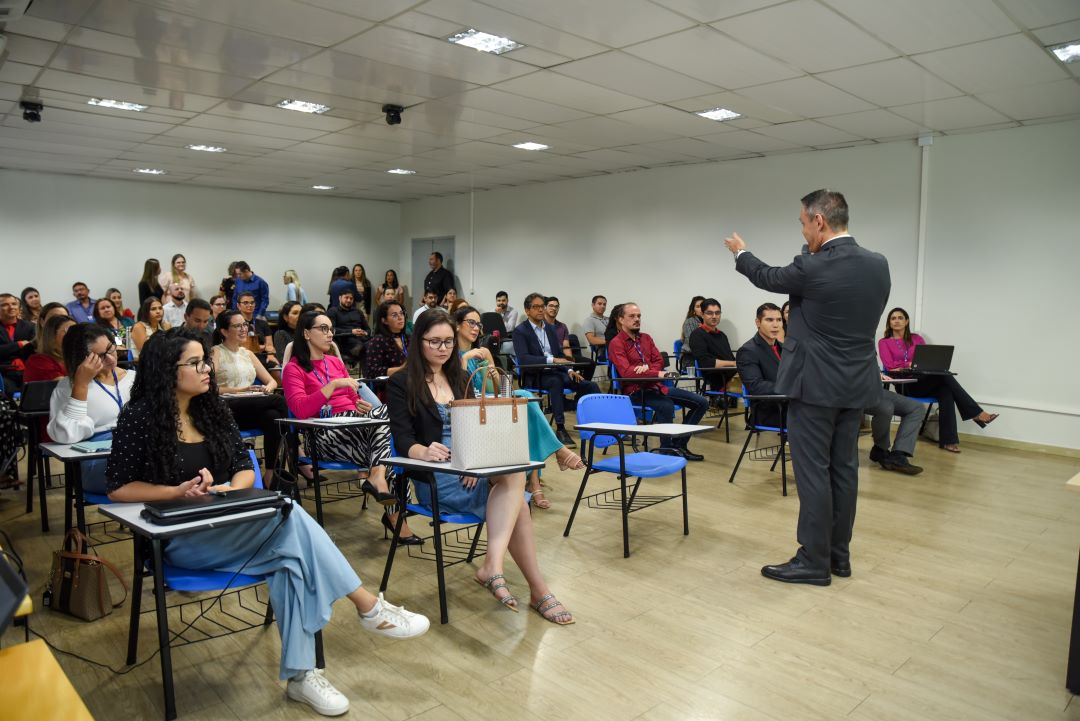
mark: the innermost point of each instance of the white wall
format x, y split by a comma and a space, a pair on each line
57, 229
1000, 263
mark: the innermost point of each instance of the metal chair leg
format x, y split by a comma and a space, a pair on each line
742, 454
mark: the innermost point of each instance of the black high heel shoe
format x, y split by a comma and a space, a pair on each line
413, 540
984, 424
387, 499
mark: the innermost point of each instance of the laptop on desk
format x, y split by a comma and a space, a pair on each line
932, 360
198, 508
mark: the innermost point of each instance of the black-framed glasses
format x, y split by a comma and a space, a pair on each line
473, 324
439, 343
109, 352
246, 302
240, 326
535, 306
199, 365
325, 329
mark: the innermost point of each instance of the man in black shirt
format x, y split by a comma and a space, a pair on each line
439, 279
351, 328
710, 347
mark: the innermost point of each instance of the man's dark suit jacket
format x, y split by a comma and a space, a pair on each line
9, 347
758, 368
529, 352
837, 297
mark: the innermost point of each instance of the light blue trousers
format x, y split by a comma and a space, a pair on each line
305, 571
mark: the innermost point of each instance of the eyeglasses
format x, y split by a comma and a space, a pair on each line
326, 329
536, 306
240, 326
395, 316
111, 351
473, 323
439, 343
199, 365
246, 302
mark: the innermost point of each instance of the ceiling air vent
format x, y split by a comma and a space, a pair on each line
12, 10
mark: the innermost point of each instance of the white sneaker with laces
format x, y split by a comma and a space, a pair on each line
395, 621
314, 690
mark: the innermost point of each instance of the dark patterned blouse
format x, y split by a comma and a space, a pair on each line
383, 353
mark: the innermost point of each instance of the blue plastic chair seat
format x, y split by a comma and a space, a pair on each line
251, 433
644, 465
464, 519
95, 499
185, 579
332, 465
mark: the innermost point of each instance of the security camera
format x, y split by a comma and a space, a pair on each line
393, 114
31, 110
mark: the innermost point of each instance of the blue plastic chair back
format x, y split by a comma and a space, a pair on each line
747, 402
605, 408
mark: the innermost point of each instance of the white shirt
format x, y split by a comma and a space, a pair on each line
174, 314
72, 421
419, 311
545, 345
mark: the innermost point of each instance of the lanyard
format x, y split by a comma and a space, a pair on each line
326, 370
404, 345
640, 352
119, 397
900, 342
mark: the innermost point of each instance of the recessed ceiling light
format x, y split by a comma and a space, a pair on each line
719, 114
1067, 52
303, 106
150, 171
401, 171
323, 187
116, 104
207, 148
531, 146
484, 42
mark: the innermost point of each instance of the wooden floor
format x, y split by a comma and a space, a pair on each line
959, 607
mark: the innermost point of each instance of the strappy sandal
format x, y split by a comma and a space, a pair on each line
539, 501
572, 461
509, 600
951, 448
988, 421
547, 603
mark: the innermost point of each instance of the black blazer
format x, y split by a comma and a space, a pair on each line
408, 430
528, 351
837, 297
9, 348
758, 368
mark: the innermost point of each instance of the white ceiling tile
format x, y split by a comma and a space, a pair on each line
51, 147
40, 28
539, 58
441, 111
281, 18
153, 74
993, 64
116, 120
604, 132
429, 55
251, 127
487, 18
516, 106
1057, 34
221, 137
18, 73
302, 86
610, 22
751, 141
634, 76
376, 10
32, 51
806, 97
372, 79
6, 106
916, 26
1040, 13
1036, 101
708, 55
807, 132
553, 88
694, 148
78, 130
607, 159
950, 114
559, 142
61, 11
740, 104
426, 25
706, 11
782, 32
668, 120
873, 124
103, 88
891, 82
279, 116
62, 136
403, 145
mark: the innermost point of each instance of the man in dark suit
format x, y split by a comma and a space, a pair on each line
838, 292
16, 341
535, 343
439, 279
758, 361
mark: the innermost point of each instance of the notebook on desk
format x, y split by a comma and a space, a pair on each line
932, 359
198, 508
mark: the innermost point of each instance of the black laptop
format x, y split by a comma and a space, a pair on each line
932, 359
212, 505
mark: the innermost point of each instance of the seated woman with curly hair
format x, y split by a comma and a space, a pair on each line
177, 439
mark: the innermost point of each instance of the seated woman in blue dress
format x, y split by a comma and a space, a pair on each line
419, 402
177, 439
542, 439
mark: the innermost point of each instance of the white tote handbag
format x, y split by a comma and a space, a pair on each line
489, 432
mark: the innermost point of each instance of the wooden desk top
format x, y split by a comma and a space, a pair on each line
1073, 483
36, 686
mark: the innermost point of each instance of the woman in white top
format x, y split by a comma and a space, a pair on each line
236, 370
177, 273
293, 290
150, 320
85, 405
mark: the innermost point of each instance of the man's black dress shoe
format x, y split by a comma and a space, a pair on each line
841, 568
898, 462
667, 451
564, 437
690, 455
878, 455
795, 571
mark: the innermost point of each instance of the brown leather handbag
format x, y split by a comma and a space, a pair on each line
78, 584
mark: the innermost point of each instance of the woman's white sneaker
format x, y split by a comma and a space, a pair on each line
394, 621
314, 690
